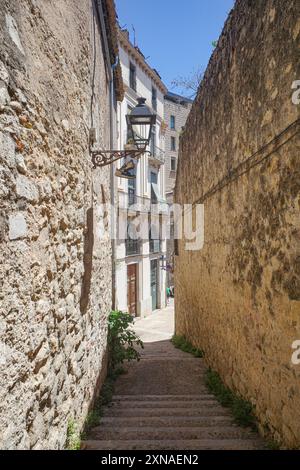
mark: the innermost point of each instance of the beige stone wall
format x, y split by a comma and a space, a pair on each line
55, 272
239, 297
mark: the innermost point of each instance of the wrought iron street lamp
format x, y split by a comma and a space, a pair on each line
140, 123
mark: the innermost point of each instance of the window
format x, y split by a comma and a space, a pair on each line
173, 164
154, 99
132, 76
173, 144
132, 243
129, 130
153, 177
132, 190
132, 247
172, 122
154, 246
153, 141
154, 235
153, 181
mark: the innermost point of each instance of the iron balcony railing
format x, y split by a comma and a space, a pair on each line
157, 154
131, 201
133, 247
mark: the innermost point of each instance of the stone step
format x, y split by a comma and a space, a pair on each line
165, 359
169, 411
192, 444
200, 397
169, 433
120, 404
167, 421
164, 356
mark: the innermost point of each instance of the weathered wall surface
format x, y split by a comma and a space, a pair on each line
239, 297
55, 271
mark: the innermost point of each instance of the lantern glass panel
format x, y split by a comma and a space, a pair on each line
140, 121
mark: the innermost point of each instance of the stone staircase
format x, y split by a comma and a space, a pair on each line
161, 403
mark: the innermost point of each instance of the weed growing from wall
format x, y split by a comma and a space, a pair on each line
180, 342
73, 436
241, 409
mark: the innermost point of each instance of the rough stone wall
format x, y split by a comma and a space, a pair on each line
239, 297
55, 271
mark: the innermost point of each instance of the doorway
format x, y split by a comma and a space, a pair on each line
132, 289
154, 282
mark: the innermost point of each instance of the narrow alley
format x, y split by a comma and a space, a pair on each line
150, 196
153, 409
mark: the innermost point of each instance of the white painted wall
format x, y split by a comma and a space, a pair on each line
144, 85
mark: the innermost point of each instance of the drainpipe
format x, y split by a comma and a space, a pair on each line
110, 69
112, 189
104, 37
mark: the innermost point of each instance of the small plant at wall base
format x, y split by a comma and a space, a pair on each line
104, 398
122, 340
121, 344
180, 342
73, 437
241, 409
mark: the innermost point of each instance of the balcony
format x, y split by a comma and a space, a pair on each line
130, 200
157, 156
133, 247
154, 246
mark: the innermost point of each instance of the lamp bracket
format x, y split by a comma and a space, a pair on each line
107, 157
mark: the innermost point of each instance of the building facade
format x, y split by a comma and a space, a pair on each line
57, 83
140, 281
176, 111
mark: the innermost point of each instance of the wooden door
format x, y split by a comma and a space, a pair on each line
132, 289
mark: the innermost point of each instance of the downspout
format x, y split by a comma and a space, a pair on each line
104, 37
112, 189
110, 69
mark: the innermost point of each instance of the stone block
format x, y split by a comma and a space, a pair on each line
7, 150
13, 32
21, 167
4, 75
16, 106
45, 188
17, 226
21, 97
26, 189
4, 96
4, 177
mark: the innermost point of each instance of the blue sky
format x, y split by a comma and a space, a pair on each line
175, 35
